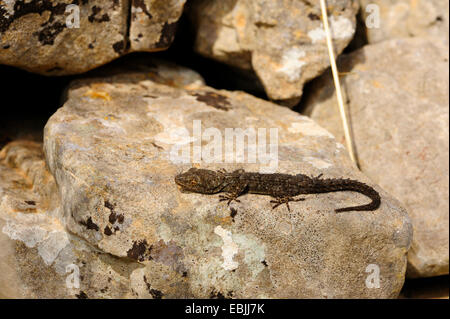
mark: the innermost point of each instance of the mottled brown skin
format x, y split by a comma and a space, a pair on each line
280, 186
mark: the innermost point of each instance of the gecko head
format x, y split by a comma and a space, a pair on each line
200, 181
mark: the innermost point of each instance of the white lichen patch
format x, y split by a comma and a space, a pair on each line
317, 162
309, 128
136, 9
340, 28
292, 63
52, 245
36, 231
254, 253
229, 248
30, 236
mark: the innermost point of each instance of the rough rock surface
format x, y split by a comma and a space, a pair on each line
398, 100
406, 18
282, 41
153, 23
39, 258
134, 234
42, 36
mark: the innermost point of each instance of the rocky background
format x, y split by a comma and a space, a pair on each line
95, 94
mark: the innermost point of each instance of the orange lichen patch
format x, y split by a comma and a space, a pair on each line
298, 34
223, 220
94, 94
240, 20
377, 84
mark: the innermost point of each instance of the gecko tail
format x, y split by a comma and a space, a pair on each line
371, 206
338, 185
365, 190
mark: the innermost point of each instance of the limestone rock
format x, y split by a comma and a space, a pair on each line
405, 18
153, 23
67, 37
398, 100
39, 258
113, 149
282, 41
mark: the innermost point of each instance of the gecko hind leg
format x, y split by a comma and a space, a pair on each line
285, 200
229, 198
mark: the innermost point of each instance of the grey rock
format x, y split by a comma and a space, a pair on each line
282, 41
405, 18
44, 37
397, 93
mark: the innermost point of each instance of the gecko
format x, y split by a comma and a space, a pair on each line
282, 187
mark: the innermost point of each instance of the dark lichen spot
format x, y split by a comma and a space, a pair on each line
156, 294
313, 16
112, 218
167, 35
108, 231
90, 46
7, 46
89, 224
138, 251
96, 10
109, 205
30, 202
184, 274
119, 47
264, 263
82, 295
213, 99
49, 33
22, 8
115, 217
216, 295
141, 4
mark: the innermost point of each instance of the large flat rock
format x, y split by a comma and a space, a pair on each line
397, 92
111, 150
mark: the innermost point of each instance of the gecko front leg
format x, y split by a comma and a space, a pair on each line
233, 192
